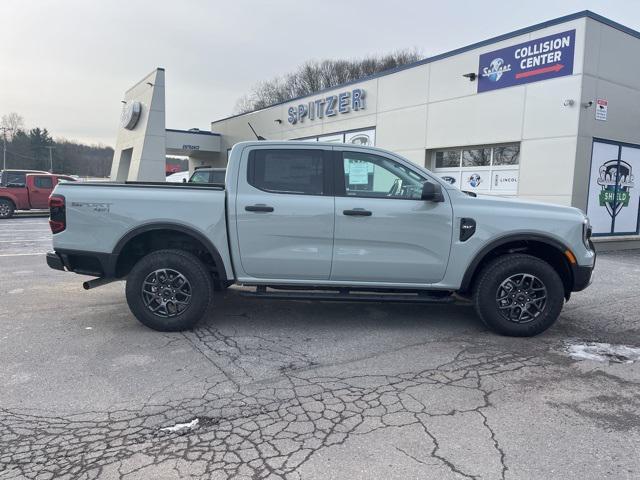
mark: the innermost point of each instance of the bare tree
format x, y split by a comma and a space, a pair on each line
13, 122
314, 76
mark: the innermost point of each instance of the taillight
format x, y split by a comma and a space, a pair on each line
57, 213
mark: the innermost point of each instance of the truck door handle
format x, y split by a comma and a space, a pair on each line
357, 212
258, 208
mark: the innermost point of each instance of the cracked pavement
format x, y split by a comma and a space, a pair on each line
301, 390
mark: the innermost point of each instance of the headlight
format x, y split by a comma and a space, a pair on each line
586, 233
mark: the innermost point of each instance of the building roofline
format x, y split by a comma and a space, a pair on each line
458, 51
198, 132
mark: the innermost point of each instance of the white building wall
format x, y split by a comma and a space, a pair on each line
140, 152
612, 72
432, 106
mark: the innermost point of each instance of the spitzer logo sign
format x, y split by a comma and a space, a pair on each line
540, 59
495, 69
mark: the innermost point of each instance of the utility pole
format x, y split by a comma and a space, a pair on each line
50, 158
4, 145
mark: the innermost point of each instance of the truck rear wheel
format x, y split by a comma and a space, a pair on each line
169, 290
518, 295
6, 208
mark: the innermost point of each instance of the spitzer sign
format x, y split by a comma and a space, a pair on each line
540, 59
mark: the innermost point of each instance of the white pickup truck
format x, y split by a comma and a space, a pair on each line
324, 221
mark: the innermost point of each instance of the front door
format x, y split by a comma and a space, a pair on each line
384, 232
285, 214
40, 190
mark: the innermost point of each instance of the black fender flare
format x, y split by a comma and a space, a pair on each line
472, 268
213, 251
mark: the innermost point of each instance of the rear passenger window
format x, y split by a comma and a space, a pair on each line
14, 178
287, 171
43, 182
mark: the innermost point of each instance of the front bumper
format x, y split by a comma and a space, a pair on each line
583, 275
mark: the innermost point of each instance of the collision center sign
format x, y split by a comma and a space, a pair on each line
540, 59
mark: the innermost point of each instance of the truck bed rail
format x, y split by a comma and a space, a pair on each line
199, 186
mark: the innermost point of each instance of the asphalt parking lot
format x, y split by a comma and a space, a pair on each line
303, 390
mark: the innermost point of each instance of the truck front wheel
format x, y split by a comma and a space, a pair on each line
518, 295
6, 208
169, 290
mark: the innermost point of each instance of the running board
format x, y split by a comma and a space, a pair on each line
420, 297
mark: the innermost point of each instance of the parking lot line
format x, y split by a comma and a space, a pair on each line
21, 254
23, 223
25, 240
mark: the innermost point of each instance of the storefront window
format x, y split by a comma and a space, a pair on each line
477, 157
485, 169
506, 155
448, 159
365, 137
614, 198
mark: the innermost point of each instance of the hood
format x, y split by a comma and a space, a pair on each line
530, 207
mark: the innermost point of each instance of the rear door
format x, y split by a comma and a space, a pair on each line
384, 232
40, 187
285, 213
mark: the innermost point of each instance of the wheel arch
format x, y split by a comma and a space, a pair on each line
10, 199
541, 246
168, 231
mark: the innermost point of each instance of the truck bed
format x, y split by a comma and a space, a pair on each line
101, 215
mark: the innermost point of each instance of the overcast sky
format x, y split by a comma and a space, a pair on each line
65, 64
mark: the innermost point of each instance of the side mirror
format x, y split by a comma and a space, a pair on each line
432, 192
184, 180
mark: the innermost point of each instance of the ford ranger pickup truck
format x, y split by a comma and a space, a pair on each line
26, 191
298, 220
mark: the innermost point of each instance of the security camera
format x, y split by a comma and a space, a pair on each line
569, 102
588, 104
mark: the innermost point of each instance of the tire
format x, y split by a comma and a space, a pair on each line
184, 297
508, 295
6, 208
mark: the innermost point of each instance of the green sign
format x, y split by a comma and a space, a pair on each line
609, 197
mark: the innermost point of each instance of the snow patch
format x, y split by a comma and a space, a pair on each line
603, 352
182, 427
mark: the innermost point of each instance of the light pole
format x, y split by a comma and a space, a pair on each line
50, 159
4, 145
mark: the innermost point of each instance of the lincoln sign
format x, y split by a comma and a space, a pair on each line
329, 106
541, 59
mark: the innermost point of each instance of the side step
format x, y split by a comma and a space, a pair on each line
348, 296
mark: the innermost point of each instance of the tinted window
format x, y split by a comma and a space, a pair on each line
368, 175
506, 155
476, 157
43, 182
287, 171
14, 178
217, 176
448, 158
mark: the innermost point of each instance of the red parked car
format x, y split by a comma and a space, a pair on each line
20, 190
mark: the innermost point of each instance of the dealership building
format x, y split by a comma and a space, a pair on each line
550, 113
